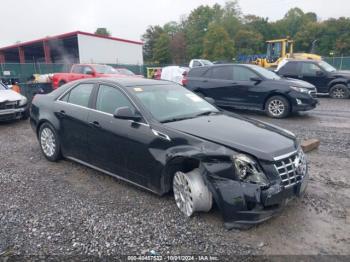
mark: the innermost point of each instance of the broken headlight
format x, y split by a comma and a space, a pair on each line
248, 170
23, 101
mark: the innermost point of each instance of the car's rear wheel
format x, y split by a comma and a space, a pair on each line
339, 92
49, 142
190, 192
277, 107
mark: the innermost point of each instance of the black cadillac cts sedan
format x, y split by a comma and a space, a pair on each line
164, 138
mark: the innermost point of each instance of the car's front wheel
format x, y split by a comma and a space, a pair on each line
49, 142
339, 92
277, 107
190, 192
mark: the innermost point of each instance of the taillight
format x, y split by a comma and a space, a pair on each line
184, 79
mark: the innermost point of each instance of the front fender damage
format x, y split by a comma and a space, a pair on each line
241, 204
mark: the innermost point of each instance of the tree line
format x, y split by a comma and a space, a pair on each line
222, 32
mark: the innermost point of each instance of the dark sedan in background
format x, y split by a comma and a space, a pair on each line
162, 137
325, 77
252, 87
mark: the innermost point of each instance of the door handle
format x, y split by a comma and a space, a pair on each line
204, 81
62, 113
95, 124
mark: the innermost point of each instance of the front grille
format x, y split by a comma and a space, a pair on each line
291, 169
8, 105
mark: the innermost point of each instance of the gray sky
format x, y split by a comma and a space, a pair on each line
24, 20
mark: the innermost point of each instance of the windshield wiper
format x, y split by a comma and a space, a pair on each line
176, 119
206, 113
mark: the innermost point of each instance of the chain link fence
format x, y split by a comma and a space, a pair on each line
340, 63
23, 72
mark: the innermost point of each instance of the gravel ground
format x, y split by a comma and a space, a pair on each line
67, 209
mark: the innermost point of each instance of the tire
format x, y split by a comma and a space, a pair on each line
190, 193
49, 142
61, 83
277, 107
339, 91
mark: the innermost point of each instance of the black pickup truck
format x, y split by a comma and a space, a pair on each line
325, 77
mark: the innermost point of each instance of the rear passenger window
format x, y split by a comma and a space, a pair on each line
242, 74
79, 95
222, 72
289, 68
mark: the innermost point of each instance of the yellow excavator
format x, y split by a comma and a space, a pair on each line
279, 49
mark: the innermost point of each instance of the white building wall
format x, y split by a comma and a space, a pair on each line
107, 51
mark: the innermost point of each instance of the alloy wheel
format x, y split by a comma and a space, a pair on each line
276, 107
48, 142
338, 92
183, 193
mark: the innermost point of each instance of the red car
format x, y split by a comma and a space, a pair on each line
127, 72
80, 71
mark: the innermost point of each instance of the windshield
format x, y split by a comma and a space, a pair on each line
105, 69
327, 66
124, 71
2, 86
265, 73
168, 103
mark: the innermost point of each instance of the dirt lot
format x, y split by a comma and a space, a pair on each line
65, 208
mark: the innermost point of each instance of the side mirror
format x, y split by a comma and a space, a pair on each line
126, 113
319, 73
209, 100
256, 79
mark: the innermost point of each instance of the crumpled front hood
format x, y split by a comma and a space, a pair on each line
9, 95
342, 73
253, 137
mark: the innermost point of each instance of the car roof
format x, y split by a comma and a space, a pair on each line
301, 60
127, 82
222, 65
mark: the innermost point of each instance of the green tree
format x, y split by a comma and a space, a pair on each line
217, 44
149, 38
161, 52
102, 31
196, 27
178, 48
248, 42
231, 18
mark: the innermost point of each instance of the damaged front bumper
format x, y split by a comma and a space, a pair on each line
244, 204
12, 114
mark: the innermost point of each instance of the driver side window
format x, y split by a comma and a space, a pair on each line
87, 69
110, 98
77, 69
242, 74
309, 69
